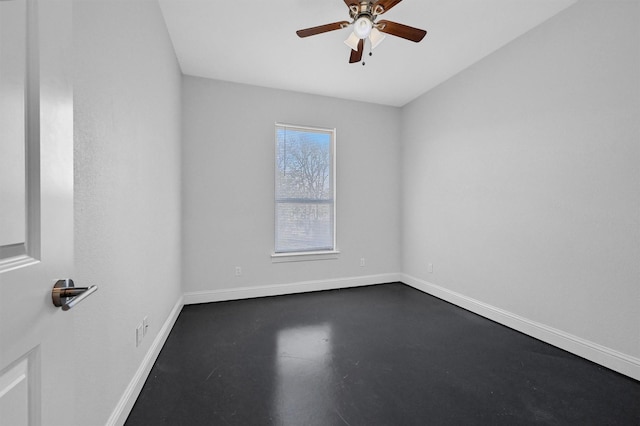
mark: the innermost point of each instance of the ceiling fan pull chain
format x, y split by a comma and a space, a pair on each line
370, 54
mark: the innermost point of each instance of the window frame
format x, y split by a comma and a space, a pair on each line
293, 256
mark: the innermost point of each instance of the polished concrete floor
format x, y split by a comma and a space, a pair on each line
378, 355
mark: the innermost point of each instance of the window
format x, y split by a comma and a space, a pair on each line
305, 190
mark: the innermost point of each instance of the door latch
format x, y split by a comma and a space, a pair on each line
65, 295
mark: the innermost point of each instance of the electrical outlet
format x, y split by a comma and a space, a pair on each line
138, 335
238, 271
430, 267
145, 326
362, 261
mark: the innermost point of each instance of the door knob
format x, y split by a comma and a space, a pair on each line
65, 295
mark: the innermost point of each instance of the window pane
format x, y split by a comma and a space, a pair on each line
304, 165
304, 227
304, 193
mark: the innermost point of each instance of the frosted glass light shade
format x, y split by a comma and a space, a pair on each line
376, 37
362, 27
352, 41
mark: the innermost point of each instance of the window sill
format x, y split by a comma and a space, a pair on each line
304, 256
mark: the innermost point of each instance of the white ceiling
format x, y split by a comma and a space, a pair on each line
254, 42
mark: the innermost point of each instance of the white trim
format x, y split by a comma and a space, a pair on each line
304, 256
305, 127
131, 393
290, 288
610, 358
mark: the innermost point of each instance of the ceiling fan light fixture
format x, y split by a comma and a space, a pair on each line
352, 41
362, 27
376, 37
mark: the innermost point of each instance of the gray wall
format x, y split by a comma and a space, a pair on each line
127, 193
228, 185
521, 178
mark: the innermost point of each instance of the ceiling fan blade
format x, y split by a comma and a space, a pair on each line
322, 29
357, 55
386, 4
349, 3
400, 30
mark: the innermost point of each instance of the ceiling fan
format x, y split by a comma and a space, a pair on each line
363, 18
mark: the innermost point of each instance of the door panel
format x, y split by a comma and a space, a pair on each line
15, 384
36, 338
13, 84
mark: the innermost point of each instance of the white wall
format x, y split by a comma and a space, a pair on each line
127, 193
519, 177
521, 180
228, 188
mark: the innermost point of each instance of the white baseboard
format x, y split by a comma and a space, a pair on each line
280, 289
610, 358
131, 393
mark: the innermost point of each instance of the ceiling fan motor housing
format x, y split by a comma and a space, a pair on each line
364, 9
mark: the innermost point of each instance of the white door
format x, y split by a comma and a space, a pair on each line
36, 212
